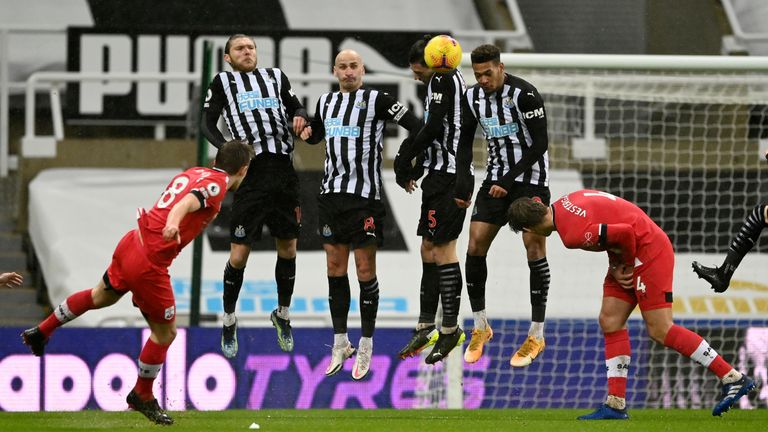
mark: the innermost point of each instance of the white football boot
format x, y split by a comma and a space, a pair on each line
338, 355
363, 358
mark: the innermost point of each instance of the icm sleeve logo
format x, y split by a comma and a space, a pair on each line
537, 113
397, 111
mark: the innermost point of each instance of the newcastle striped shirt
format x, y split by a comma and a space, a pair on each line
352, 125
257, 107
442, 118
515, 126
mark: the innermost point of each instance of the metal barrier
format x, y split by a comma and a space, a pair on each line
45, 146
6, 85
34, 145
516, 39
756, 43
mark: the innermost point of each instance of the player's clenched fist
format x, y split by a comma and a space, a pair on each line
171, 232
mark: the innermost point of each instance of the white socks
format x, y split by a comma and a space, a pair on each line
421, 326
731, 377
536, 330
616, 402
340, 339
448, 330
366, 344
481, 322
282, 312
229, 319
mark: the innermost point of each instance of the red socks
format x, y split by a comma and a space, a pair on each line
617, 357
74, 306
151, 360
696, 348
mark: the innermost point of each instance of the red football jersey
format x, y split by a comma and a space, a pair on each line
209, 185
598, 221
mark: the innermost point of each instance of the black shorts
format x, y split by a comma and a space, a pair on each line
441, 220
494, 210
269, 195
350, 219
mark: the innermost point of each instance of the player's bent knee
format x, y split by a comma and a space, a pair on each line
286, 248
165, 334
103, 297
335, 270
477, 249
366, 272
238, 255
610, 323
657, 331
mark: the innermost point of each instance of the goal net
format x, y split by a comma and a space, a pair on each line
686, 146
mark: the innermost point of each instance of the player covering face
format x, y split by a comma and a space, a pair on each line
641, 264
140, 265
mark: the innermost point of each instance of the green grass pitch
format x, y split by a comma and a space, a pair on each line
493, 420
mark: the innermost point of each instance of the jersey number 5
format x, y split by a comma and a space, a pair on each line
431, 218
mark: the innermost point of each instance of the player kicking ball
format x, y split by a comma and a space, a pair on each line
140, 265
641, 265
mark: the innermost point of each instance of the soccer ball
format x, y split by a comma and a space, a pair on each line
442, 53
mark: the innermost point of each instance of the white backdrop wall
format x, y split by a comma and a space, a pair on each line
77, 217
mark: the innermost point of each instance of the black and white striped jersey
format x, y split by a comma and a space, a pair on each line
515, 126
257, 107
352, 125
442, 120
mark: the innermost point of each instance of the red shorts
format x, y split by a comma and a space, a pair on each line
652, 281
150, 284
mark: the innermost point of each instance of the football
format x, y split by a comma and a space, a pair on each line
442, 53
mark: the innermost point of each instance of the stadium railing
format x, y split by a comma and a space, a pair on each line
744, 38
34, 145
517, 39
6, 85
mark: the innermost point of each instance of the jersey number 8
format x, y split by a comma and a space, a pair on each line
178, 185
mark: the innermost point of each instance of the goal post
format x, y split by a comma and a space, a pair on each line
684, 138
681, 136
